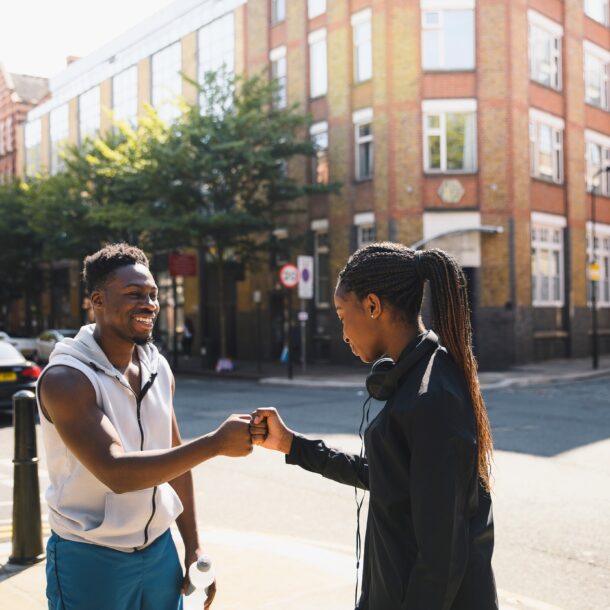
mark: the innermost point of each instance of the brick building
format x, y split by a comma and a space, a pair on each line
474, 126
18, 94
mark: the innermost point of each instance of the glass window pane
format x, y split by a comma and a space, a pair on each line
125, 95
431, 55
166, 81
434, 152
459, 39
89, 114
318, 68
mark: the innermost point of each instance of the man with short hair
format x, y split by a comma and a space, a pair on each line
119, 471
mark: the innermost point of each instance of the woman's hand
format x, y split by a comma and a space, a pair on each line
269, 431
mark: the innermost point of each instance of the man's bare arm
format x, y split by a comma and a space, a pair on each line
68, 398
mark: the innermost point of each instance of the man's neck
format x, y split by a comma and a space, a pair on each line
120, 353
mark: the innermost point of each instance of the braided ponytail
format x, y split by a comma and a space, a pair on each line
397, 274
451, 321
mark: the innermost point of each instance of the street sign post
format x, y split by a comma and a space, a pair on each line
305, 265
289, 278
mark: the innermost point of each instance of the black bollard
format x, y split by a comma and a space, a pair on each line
27, 523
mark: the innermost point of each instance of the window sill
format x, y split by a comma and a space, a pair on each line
317, 97
357, 83
547, 87
449, 70
362, 180
275, 23
547, 304
551, 334
440, 173
596, 21
547, 181
591, 105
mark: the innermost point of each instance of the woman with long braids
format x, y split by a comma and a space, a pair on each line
426, 464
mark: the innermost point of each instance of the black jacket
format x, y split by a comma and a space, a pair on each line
429, 537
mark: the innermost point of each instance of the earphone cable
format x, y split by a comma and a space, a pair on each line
366, 407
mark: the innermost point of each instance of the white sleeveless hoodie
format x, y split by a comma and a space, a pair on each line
81, 507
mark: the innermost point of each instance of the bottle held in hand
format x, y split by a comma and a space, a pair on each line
201, 573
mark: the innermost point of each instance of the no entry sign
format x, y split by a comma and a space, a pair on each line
289, 276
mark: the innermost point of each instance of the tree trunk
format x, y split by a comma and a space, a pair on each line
221, 304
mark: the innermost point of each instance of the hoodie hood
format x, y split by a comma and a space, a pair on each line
86, 349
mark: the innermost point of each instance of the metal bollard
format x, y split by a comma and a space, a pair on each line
27, 522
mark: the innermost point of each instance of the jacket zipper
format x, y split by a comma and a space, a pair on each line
139, 400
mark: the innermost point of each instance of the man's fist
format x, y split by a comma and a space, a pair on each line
233, 436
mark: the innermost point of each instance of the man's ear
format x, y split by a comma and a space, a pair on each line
97, 299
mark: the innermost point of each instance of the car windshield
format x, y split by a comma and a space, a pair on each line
9, 354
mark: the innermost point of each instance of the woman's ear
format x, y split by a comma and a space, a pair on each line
373, 305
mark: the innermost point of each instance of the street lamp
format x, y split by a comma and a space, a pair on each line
594, 347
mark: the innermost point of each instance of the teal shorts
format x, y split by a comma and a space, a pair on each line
84, 576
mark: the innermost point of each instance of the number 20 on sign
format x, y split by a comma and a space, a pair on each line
289, 276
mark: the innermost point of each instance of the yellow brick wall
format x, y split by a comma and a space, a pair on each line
144, 85
189, 67
106, 106
45, 145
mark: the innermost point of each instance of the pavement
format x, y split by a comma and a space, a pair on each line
353, 376
325, 573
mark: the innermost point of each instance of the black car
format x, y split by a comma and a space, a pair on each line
16, 373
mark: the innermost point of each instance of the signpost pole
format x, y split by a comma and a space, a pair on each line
303, 337
175, 324
290, 374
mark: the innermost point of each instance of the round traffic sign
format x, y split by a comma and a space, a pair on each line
289, 275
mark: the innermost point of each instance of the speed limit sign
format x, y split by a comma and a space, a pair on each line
289, 275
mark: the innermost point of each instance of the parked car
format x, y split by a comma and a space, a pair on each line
16, 373
46, 341
26, 345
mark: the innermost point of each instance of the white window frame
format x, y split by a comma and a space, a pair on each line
89, 114
33, 142
602, 142
277, 58
599, 4
315, 8
557, 126
442, 107
600, 55
360, 118
441, 7
320, 227
318, 70
365, 228
9, 134
318, 133
539, 25
58, 136
601, 255
362, 36
124, 100
164, 93
278, 11
544, 226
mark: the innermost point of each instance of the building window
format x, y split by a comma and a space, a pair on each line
448, 35
450, 143
315, 8
363, 49
597, 76
545, 38
547, 260
318, 71
278, 74
546, 146
2, 146
58, 136
365, 228
9, 134
599, 254
216, 43
33, 138
278, 11
166, 81
319, 167
125, 95
321, 249
363, 131
598, 10
89, 114
597, 156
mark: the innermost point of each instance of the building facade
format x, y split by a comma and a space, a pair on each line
476, 126
19, 93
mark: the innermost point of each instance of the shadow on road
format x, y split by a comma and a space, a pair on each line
539, 420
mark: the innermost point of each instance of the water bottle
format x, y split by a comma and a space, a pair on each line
201, 573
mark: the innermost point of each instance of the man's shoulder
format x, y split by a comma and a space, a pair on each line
63, 377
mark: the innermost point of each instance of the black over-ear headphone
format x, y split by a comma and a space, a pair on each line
385, 374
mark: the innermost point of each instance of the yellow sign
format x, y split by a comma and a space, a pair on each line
8, 377
595, 274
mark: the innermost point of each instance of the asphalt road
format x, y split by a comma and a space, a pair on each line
551, 482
